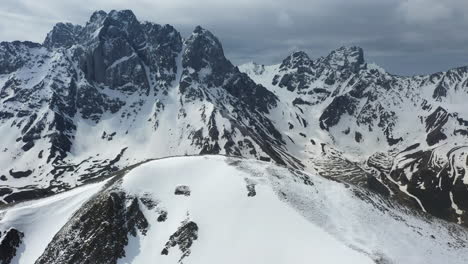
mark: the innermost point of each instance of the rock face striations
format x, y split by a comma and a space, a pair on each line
96, 98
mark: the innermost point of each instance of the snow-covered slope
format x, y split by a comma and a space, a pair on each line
115, 92
404, 136
38, 221
208, 209
96, 98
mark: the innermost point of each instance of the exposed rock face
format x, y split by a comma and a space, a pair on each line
299, 78
182, 190
130, 73
98, 232
204, 64
62, 35
183, 238
10, 241
435, 178
340, 106
96, 98
346, 59
434, 126
368, 115
14, 55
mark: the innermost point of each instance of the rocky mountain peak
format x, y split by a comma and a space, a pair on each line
297, 69
97, 16
122, 23
62, 35
204, 50
123, 19
343, 58
298, 59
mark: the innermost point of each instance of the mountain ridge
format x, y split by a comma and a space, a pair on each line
174, 209
97, 98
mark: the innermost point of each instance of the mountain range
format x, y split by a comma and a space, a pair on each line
92, 105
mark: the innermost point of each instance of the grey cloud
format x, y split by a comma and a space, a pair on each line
404, 36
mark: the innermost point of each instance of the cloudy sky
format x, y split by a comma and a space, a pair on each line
404, 36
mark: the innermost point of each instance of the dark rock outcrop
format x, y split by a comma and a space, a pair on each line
182, 190
184, 237
98, 232
9, 244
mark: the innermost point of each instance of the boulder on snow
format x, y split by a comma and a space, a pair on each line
182, 190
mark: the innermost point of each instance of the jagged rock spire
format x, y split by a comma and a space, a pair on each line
203, 49
343, 58
298, 59
62, 35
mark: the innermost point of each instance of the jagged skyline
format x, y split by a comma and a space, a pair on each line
406, 36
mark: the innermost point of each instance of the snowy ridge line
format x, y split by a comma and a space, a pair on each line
122, 172
115, 92
230, 205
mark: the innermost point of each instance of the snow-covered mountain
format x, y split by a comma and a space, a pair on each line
94, 99
115, 92
207, 209
408, 133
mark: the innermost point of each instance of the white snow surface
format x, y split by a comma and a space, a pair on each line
287, 221
294, 217
41, 219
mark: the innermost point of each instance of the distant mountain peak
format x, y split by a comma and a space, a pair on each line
297, 59
203, 49
346, 58
62, 35
97, 16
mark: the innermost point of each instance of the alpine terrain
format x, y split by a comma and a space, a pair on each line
124, 142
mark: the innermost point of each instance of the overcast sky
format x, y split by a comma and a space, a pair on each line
404, 36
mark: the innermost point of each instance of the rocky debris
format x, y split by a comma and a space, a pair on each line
10, 241
98, 232
334, 166
162, 216
251, 192
184, 237
436, 181
358, 137
182, 190
148, 201
377, 186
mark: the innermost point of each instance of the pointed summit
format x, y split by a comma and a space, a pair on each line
97, 16
198, 30
123, 16
62, 35
203, 50
296, 72
351, 58
297, 60
116, 23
